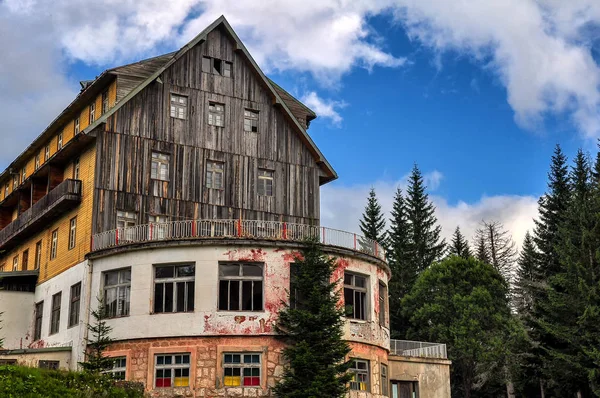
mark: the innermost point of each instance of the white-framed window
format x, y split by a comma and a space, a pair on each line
104, 102
174, 288
265, 182
37, 161
217, 66
55, 314
23, 174
179, 106
72, 232
241, 369
74, 304
382, 303
216, 114
54, 244
76, 129
160, 166
385, 380
126, 219
214, 174
117, 290
76, 169
360, 375
38, 254
25, 260
251, 121
118, 369
59, 142
6, 189
15, 263
172, 370
160, 227
240, 287
39, 315
355, 296
15, 181
47, 153
92, 112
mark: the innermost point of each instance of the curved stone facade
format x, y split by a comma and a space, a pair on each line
206, 334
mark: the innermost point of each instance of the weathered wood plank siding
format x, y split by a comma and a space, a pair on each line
144, 125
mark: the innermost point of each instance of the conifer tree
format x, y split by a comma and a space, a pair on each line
98, 342
372, 224
459, 245
313, 331
499, 247
481, 252
404, 272
426, 246
526, 277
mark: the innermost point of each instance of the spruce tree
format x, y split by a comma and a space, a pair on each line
372, 224
404, 272
526, 277
313, 331
426, 246
481, 251
98, 341
459, 245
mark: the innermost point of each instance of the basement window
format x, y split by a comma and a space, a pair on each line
51, 365
174, 288
241, 369
360, 375
355, 296
172, 370
117, 290
240, 287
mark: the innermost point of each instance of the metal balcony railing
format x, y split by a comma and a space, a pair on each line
418, 349
61, 198
235, 229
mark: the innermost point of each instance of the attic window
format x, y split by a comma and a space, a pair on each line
217, 66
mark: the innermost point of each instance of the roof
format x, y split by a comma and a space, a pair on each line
149, 70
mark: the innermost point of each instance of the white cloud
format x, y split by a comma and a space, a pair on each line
324, 108
343, 205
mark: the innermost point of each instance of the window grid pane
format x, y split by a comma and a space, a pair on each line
216, 114
179, 106
174, 288
240, 287
172, 370
117, 288
242, 373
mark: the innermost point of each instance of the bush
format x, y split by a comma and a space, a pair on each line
24, 382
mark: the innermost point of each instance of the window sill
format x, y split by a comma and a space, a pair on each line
117, 317
357, 321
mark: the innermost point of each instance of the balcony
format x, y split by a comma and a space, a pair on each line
418, 349
235, 229
64, 197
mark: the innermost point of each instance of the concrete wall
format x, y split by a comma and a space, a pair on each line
206, 320
33, 356
16, 318
432, 375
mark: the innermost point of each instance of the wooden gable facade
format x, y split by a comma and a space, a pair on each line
143, 125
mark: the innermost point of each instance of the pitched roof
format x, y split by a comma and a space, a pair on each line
275, 90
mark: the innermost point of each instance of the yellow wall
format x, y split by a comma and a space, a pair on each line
68, 134
65, 258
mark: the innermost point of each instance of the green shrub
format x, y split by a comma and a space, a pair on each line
24, 382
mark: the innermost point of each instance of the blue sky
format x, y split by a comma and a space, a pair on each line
476, 94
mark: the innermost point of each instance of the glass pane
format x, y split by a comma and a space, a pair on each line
247, 295
186, 359
228, 358
229, 269
181, 296
168, 361
188, 270
360, 281
258, 296
236, 358
125, 276
158, 297
111, 278
223, 295
164, 272
347, 279
169, 297
190, 296
234, 295
160, 359
252, 270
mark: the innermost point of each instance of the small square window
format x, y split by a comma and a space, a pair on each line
216, 114
251, 121
179, 106
240, 287
118, 369
172, 370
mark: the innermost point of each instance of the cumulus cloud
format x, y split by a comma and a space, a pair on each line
324, 108
343, 205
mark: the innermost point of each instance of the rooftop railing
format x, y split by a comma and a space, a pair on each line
235, 229
418, 349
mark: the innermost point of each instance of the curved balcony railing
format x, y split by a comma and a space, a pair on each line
235, 229
418, 349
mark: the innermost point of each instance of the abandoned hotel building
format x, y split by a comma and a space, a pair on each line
179, 189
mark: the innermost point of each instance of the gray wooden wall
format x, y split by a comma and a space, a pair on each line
144, 125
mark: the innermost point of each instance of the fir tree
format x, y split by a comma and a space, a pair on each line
313, 332
404, 272
426, 246
459, 245
96, 361
526, 277
372, 224
481, 252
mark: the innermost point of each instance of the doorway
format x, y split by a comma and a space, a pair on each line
405, 389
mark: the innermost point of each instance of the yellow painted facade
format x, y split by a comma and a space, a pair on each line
65, 257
